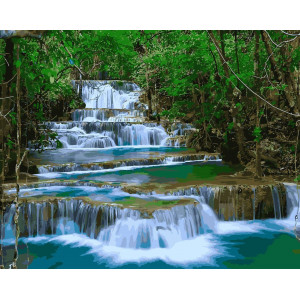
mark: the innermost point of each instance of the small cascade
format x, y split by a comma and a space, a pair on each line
253, 202
178, 141
112, 225
234, 203
180, 129
178, 135
162, 231
292, 199
60, 217
107, 134
110, 94
276, 201
108, 115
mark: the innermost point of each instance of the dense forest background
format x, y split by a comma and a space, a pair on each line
240, 89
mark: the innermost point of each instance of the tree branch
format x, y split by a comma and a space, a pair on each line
24, 155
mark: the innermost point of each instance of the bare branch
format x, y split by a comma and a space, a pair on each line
291, 34
19, 165
6, 97
4, 117
9, 80
277, 46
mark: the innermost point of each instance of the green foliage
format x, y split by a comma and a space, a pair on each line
10, 143
73, 104
297, 179
59, 144
261, 112
292, 124
178, 110
257, 134
239, 106
230, 127
18, 63
12, 116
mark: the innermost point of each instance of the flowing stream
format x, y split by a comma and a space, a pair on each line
79, 216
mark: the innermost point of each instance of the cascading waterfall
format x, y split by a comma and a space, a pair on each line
110, 134
253, 202
109, 94
276, 201
107, 115
178, 133
113, 117
247, 205
292, 199
61, 217
163, 230
111, 225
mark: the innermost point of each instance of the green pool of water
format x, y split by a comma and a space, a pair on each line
177, 173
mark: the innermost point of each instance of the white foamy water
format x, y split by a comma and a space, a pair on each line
203, 249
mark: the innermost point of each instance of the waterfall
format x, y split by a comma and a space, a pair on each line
234, 203
163, 230
107, 134
292, 199
113, 116
107, 115
276, 201
109, 119
112, 225
109, 94
60, 217
253, 202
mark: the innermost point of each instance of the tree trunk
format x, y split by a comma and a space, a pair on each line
202, 101
236, 52
18, 160
149, 98
258, 105
237, 56
5, 107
